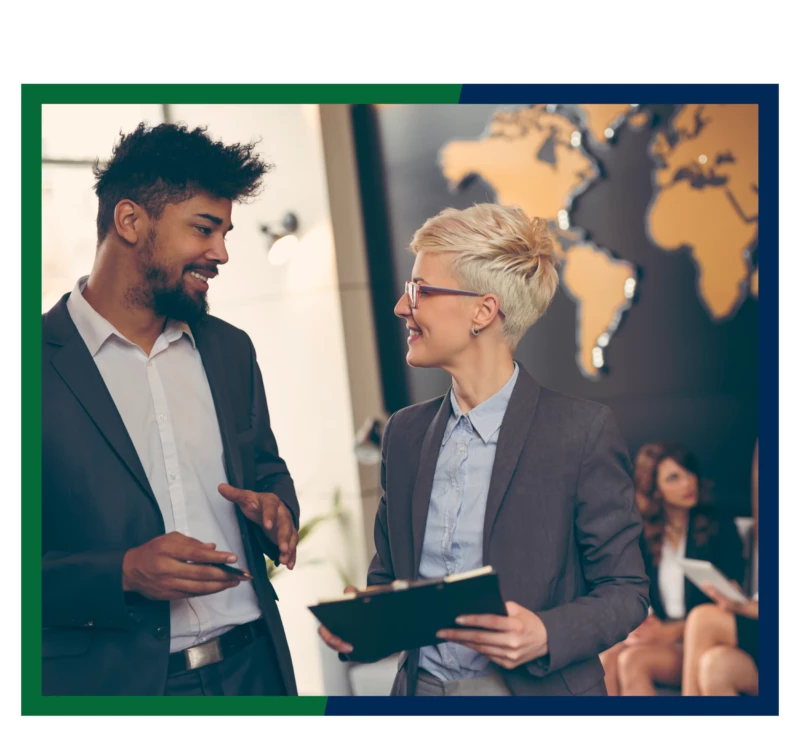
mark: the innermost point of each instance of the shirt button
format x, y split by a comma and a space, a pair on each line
161, 418
173, 475
462, 448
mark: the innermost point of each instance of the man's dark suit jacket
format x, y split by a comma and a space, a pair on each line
97, 503
561, 528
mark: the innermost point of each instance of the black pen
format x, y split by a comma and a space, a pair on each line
228, 569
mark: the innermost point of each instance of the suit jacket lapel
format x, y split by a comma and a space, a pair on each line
423, 485
690, 598
510, 442
74, 363
218, 377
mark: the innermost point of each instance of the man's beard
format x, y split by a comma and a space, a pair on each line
170, 300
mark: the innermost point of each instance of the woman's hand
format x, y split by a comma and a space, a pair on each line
331, 640
655, 632
508, 641
647, 632
749, 609
652, 632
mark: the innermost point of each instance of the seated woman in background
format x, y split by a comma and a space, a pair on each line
667, 482
721, 639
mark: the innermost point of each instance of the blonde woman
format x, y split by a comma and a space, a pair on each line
503, 472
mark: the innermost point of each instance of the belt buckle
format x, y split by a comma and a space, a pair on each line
202, 655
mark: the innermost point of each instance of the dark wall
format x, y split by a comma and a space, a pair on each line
672, 372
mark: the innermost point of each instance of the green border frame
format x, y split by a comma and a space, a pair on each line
33, 97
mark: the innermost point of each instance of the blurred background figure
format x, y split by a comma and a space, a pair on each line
721, 639
676, 525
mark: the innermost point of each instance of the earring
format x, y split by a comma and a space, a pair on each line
475, 332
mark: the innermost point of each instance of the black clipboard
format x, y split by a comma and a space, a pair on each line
403, 615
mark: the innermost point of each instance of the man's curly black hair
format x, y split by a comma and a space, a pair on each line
169, 164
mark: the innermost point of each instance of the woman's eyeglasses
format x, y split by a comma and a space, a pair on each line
414, 289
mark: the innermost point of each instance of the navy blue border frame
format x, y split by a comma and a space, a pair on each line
766, 703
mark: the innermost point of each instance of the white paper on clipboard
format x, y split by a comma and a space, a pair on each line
701, 572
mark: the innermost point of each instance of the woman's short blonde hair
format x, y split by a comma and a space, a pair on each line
500, 250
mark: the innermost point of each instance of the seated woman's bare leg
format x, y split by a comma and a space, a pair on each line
706, 627
610, 666
727, 671
642, 666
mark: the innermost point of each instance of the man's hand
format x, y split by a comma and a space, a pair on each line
331, 640
272, 514
513, 640
159, 568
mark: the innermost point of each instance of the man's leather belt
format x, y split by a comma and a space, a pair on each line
217, 649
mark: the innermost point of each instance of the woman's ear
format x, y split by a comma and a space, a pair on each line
486, 310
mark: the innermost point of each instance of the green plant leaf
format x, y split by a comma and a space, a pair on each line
342, 573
